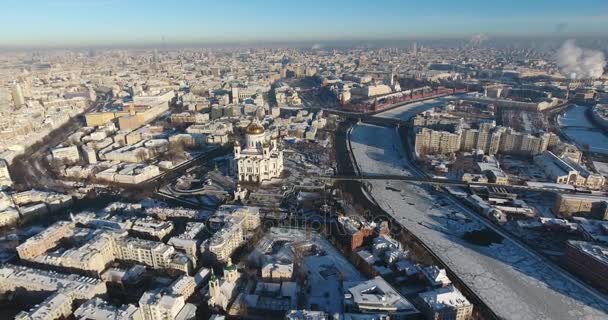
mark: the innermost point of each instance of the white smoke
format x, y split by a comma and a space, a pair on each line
580, 63
478, 39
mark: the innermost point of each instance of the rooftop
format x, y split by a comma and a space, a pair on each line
448, 297
98, 309
45, 309
596, 251
48, 280
377, 294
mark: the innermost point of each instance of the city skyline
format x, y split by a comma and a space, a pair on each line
137, 23
311, 160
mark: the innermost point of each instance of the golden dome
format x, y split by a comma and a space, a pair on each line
254, 128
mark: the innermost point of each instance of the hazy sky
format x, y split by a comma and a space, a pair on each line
90, 22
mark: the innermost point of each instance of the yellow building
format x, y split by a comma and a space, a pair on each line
130, 116
44, 240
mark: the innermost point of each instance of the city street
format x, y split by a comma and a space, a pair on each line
31, 170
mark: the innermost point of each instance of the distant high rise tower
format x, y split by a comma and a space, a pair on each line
415, 49
17, 94
155, 55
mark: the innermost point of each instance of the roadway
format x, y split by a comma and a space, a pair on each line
449, 182
181, 169
512, 280
386, 113
32, 170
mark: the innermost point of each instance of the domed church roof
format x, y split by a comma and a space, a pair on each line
254, 128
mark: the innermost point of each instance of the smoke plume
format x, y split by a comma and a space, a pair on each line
580, 63
478, 39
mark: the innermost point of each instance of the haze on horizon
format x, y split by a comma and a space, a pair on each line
54, 23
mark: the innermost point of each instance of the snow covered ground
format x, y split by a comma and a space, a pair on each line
409, 110
325, 267
513, 282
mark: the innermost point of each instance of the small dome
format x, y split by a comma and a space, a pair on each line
254, 128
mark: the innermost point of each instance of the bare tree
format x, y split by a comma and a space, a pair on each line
141, 155
176, 150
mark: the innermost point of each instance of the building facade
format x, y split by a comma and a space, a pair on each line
222, 291
232, 235
589, 260
445, 304
260, 158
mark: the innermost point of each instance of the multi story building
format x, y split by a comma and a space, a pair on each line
431, 118
56, 306
78, 287
488, 137
490, 167
237, 222
215, 132
468, 139
260, 158
432, 141
5, 175
185, 285
151, 253
129, 116
93, 256
98, 309
277, 271
103, 248
132, 173
241, 92
356, 232
445, 304
568, 151
306, 315
483, 135
436, 276
568, 204
513, 142
560, 170
158, 305
152, 227
376, 296
513, 104
285, 95
69, 153
188, 241
17, 94
45, 240
589, 260
372, 90
8, 212
493, 145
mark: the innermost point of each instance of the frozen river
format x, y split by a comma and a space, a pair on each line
409, 110
577, 126
513, 282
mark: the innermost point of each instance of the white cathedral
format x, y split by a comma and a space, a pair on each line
260, 158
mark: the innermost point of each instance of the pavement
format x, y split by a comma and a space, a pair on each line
32, 169
513, 281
